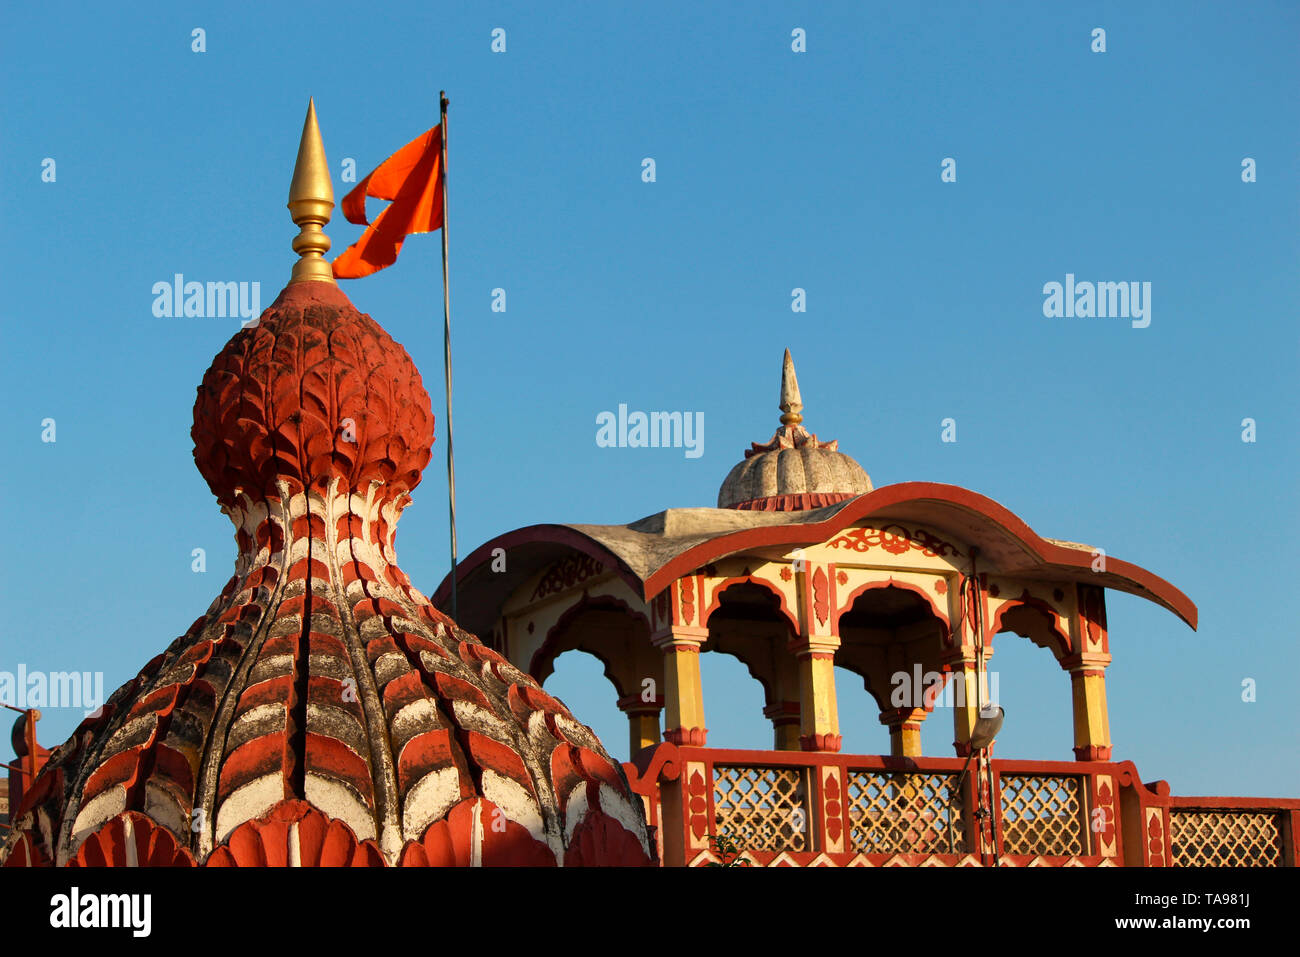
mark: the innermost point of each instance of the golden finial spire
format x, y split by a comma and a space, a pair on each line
791, 401
311, 198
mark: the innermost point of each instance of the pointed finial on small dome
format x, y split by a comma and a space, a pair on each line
791, 401
311, 199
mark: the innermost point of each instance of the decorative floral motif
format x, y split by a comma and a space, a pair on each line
820, 589
662, 601
833, 808
1104, 825
698, 805
896, 540
1155, 837
567, 572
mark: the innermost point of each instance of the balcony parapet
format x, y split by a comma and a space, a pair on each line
799, 809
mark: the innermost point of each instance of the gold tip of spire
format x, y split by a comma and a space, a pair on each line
311, 199
791, 401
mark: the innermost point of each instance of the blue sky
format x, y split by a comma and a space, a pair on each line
774, 170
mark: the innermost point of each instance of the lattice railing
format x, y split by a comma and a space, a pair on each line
902, 813
1205, 838
1043, 815
764, 809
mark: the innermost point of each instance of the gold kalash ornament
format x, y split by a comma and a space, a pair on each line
311, 199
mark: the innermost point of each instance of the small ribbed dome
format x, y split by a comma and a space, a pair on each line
793, 471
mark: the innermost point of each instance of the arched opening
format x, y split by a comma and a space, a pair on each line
892, 640
751, 635
618, 639
733, 704
860, 727
1029, 683
578, 679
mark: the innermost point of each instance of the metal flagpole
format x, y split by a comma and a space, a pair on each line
446, 347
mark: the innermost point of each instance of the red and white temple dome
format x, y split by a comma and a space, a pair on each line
323, 711
793, 471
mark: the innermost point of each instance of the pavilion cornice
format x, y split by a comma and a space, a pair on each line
651, 562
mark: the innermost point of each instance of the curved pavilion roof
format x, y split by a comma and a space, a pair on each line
651, 553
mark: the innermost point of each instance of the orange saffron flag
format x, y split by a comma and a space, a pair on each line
412, 179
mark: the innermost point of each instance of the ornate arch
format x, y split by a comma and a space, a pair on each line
847, 605
542, 664
1056, 640
715, 598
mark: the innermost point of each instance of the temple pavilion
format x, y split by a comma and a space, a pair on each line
323, 711
804, 566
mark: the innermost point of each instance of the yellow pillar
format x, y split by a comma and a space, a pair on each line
1091, 717
904, 731
819, 719
683, 693
814, 650
785, 718
965, 683
643, 721
1087, 667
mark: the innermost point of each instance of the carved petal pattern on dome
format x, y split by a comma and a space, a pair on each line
315, 391
131, 840
477, 832
603, 841
295, 834
320, 684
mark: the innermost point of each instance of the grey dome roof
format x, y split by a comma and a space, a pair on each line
794, 470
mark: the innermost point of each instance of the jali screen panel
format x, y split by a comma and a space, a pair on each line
1209, 838
764, 809
902, 813
1043, 814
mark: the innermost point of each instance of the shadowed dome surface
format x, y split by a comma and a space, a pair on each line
792, 471
322, 711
